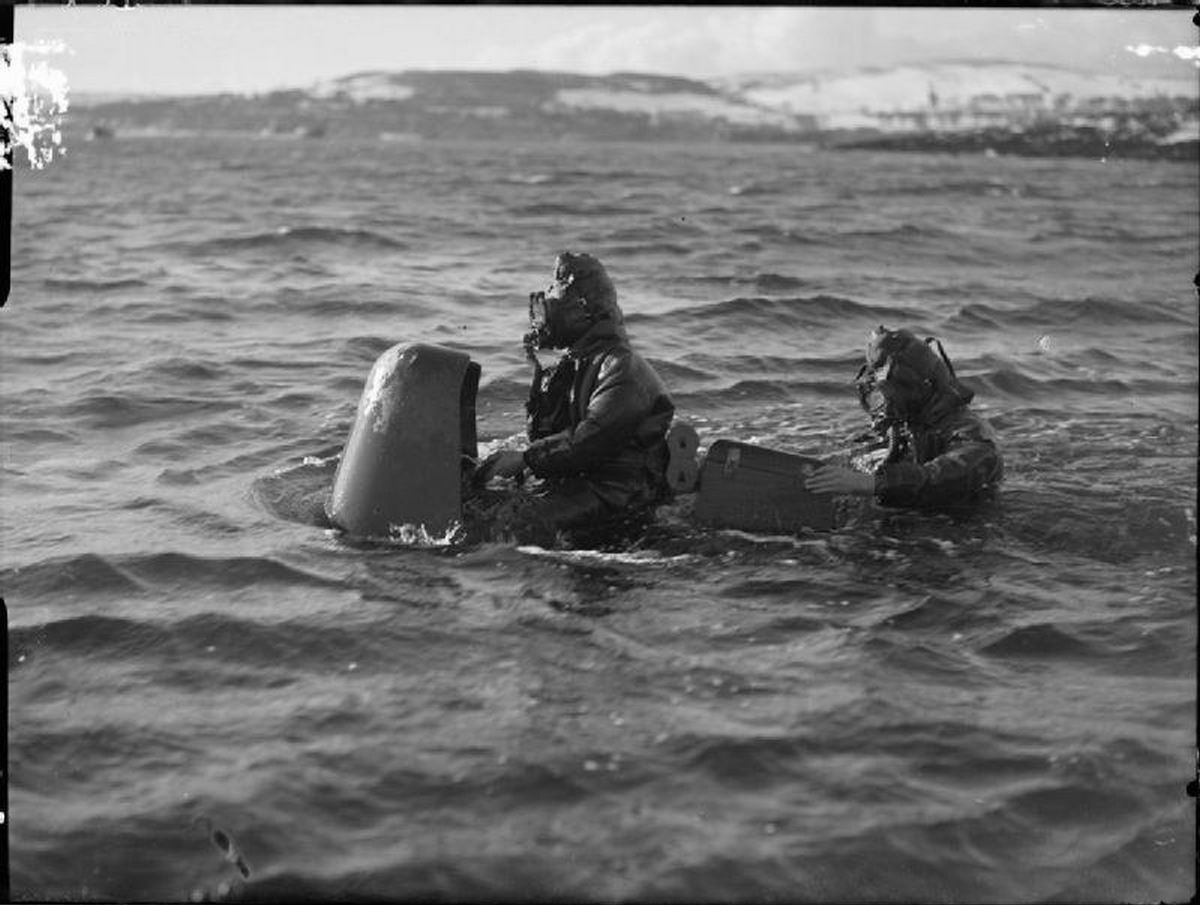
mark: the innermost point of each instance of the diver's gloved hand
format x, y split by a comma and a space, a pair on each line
504, 463
529, 343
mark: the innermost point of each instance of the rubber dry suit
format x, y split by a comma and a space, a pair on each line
596, 420
940, 453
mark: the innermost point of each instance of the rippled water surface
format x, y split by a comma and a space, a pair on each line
211, 695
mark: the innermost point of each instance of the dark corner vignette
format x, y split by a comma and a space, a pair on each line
7, 17
5, 894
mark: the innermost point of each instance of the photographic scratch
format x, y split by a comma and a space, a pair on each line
35, 99
225, 845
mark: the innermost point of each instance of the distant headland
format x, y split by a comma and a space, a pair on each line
956, 106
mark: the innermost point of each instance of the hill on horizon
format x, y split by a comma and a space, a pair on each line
947, 99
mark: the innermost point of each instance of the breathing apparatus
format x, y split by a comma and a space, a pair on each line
580, 295
555, 319
904, 382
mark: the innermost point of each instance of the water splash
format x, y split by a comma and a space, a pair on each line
634, 558
419, 536
35, 96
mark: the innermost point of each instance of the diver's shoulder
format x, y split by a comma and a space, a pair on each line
970, 425
616, 354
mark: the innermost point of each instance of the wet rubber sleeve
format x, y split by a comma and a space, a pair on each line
956, 476
547, 410
617, 406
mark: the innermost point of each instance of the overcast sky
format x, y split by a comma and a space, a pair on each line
198, 49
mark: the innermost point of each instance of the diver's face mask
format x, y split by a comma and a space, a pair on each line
893, 392
556, 318
875, 394
901, 383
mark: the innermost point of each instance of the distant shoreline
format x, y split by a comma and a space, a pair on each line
1049, 144
951, 107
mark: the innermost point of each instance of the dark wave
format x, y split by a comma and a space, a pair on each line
1065, 517
41, 435
188, 644
355, 302
91, 634
236, 465
278, 364
287, 238
184, 369
480, 877
976, 316
201, 308
975, 188
839, 369
204, 522
224, 572
679, 374
650, 247
1108, 234
87, 572
971, 756
904, 231
938, 613
1016, 384
1076, 806
74, 285
1156, 864
971, 188
930, 660
773, 631
574, 209
763, 391
1042, 640
775, 234
759, 390
768, 282
298, 643
780, 314
1098, 313
106, 410
776, 282
19, 356
754, 762
300, 400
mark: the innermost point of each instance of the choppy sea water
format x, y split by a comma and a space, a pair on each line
212, 695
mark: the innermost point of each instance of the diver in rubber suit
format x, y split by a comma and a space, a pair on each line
940, 453
596, 420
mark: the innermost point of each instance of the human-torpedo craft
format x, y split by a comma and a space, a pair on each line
414, 438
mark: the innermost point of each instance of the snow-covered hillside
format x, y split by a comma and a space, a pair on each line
656, 105
942, 96
365, 86
977, 92
1022, 108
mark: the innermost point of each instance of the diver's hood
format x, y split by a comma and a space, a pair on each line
905, 380
581, 296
